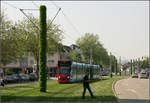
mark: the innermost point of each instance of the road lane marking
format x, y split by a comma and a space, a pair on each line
132, 90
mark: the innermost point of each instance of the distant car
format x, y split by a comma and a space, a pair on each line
143, 75
17, 77
104, 73
33, 77
135, 75
148, 74
10, 79
26, 77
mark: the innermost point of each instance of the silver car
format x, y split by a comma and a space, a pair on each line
143, 75
135, 75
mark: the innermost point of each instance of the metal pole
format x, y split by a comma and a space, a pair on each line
120, 65
110, 65
91, 61
91, 55
131, 67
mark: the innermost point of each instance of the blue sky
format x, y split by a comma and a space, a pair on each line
123, 26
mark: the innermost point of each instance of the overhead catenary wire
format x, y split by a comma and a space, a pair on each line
29, 19
65, 34
55, 4
10, 5
69, 22
35, 4
54, 18
75, 29
22, 10
67, 18
30, 9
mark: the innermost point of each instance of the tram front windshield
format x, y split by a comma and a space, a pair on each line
64, 70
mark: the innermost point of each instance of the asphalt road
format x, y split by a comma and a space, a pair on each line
133, 90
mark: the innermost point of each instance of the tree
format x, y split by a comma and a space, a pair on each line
11, 42
74, 56
42, 49
113, 65
30, 34
99, 53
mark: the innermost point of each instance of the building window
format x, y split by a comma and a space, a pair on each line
31, 62
51, 61
50, 54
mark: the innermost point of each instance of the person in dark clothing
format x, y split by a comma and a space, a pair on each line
86, 86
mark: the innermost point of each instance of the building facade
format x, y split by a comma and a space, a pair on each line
28, 64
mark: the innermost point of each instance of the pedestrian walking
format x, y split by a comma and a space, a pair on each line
86, 86
2, 82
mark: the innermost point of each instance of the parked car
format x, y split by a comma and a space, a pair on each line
104, 73
143, 75
17, 77
26, 77
22, 77
10, 79
33, 77
135, 75
148, 74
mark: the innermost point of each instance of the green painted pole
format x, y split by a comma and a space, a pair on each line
131, 68
42, 49
116, 70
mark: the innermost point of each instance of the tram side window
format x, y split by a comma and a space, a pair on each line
94, 72
74, 73
81, 71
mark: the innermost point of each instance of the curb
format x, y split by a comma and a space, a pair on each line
113, 88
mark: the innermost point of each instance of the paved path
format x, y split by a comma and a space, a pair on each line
132, 90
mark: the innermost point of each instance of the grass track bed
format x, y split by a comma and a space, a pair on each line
102, 89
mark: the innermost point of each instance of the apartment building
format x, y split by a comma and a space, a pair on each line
28, 64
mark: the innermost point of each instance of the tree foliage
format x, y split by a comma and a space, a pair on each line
20, 38
144, 64
74, 56
11, 42
99, 53
113, 64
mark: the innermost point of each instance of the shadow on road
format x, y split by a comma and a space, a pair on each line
133, 101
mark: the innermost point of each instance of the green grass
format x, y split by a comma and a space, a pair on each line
56, 92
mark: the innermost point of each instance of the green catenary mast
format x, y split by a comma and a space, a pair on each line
42, 49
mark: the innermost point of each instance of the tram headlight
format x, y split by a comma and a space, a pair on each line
68, 77
59, 77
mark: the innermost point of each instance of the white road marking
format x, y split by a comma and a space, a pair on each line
132, 90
